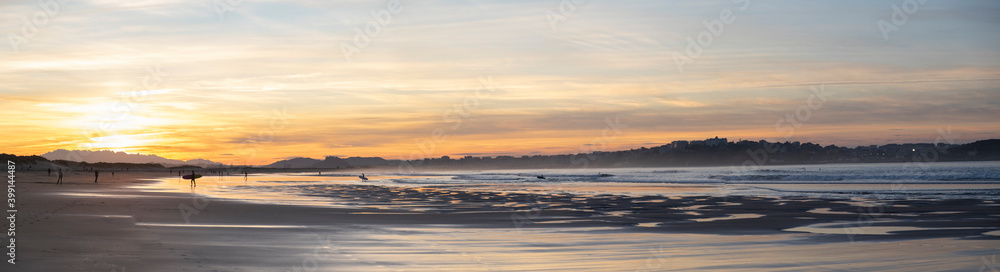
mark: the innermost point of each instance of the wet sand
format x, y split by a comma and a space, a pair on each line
119, 226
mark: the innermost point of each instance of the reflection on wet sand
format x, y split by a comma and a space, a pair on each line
498, 227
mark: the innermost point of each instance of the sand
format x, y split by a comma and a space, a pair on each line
117, 225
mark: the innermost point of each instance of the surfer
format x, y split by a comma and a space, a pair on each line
193, 176
363, 178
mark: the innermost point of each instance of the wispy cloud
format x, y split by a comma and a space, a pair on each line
224, 79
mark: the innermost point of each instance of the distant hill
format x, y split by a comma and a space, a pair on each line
332, 162
369, 161
201, 162
293, 163
119, 157
39, 163
329, 162
29, 162
979, 150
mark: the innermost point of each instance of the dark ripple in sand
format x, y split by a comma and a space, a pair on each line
666, 214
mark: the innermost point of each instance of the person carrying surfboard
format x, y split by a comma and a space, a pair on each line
193, 176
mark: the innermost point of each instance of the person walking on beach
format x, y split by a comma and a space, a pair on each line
194, 184
96, 174
50, 171
59, 181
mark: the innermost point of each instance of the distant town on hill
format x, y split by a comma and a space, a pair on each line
709, 152
721, 152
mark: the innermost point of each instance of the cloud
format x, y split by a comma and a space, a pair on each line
272, 72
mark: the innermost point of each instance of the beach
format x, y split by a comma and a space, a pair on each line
150, 221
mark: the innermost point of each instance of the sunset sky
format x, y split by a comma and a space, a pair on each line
257, 81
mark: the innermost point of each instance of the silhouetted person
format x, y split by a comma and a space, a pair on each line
96, 174
192, 179
112, 173
50, 171
363, 178
59, 181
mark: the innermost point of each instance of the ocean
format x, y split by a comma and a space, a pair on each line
878, 181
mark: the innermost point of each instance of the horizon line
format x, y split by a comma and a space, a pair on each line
497, 155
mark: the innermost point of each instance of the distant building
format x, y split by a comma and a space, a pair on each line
716, 141
679, 144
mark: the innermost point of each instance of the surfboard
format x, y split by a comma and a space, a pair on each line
196, 176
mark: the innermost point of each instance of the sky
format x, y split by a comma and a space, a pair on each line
251, 82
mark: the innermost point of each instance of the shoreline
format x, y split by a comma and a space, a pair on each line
114, 226
393, 169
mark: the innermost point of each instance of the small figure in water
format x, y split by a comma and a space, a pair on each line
363, 178
96, 174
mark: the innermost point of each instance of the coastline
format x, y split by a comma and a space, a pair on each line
115, 226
